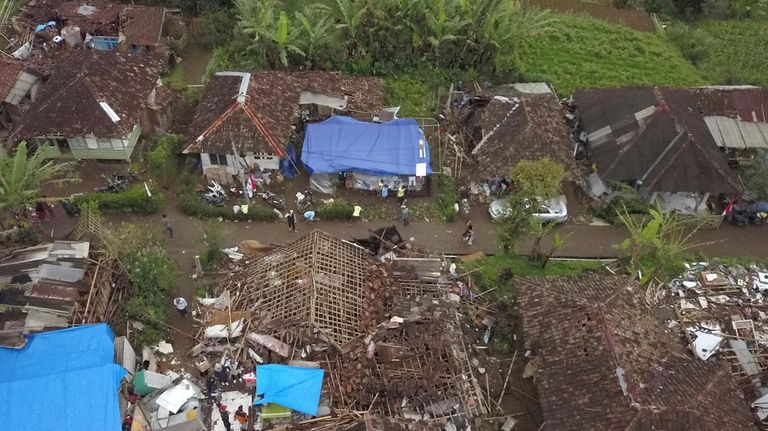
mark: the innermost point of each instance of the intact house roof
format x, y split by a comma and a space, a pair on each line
654, 138
142, 25
269, 102
9, 73
520, 122
84, 87
737, 116
604, 363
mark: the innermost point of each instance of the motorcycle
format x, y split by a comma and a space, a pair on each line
115, 184
272, 199
215, 194
304, 200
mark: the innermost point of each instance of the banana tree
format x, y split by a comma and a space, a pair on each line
270, 30
22, 175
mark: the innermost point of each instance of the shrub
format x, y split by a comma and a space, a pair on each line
191, 204
337, 210
610, 209
212, 254
132, 200
162, 159
153, 278
448, 197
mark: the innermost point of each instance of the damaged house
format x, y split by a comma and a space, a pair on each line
16, 84
602, 361
96, 105
388, 341
518, 122
656, 141
737, 116
141, 28
251, 119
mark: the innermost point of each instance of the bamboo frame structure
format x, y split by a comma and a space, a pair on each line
317, 280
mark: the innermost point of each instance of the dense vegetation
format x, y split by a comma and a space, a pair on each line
584, 52
726, 52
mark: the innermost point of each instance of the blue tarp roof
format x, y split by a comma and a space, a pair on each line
293, 387
64, 380
342, 144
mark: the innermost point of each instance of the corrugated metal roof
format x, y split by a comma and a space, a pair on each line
732, 133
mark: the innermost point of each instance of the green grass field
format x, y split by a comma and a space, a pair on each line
585, 52
738, 52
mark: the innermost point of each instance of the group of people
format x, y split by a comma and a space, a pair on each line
241, 417
402, 191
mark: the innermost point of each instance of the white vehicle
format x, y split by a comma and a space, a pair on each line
551, 211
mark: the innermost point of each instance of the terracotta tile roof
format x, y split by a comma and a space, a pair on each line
103, 21
273, 97
586, 329
142, 25
9, 71
521, 126
653, 135
69, 102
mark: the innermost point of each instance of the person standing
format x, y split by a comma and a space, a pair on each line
225, 417
385, 191
167, 226
401, 194
291, 219
41, 211
405, 213
181, 305
241, 417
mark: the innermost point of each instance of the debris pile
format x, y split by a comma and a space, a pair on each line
388, 335
721, 310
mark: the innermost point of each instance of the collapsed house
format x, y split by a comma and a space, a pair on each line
395, 152
718, 308
44, 284
656, 141
602, 361
249, 119
388, 340
96, 105
516, 122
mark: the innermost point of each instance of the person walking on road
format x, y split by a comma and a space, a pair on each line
405, 213
469, 234
181, 305
167, 226
291, 219
401, 194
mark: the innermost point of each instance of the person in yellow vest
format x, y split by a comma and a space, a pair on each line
401, 191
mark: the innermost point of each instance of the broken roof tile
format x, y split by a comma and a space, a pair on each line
604, 362
142, 25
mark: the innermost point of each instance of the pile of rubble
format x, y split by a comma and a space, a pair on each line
721, 309
401, 352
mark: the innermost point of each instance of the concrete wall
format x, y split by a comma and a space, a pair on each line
264, 161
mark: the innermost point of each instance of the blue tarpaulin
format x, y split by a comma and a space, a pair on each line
64, 380
343, 144
293, 387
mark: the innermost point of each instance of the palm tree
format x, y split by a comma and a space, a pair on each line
350, 15
21, 176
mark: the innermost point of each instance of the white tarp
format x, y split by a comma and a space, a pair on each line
175, 397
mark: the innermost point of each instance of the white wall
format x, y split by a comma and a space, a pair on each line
265, 161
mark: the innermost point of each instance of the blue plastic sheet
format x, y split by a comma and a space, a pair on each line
288, 164
64, 380
343, 144
41, 27
293, 387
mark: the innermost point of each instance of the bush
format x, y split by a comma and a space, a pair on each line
162, 160
153, 278
133, 200
190, 203
212, 255
448, 197
337, 210
609, 210
694, 43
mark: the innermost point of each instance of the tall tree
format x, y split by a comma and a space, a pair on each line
22, 175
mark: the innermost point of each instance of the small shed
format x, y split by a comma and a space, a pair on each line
396, 152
